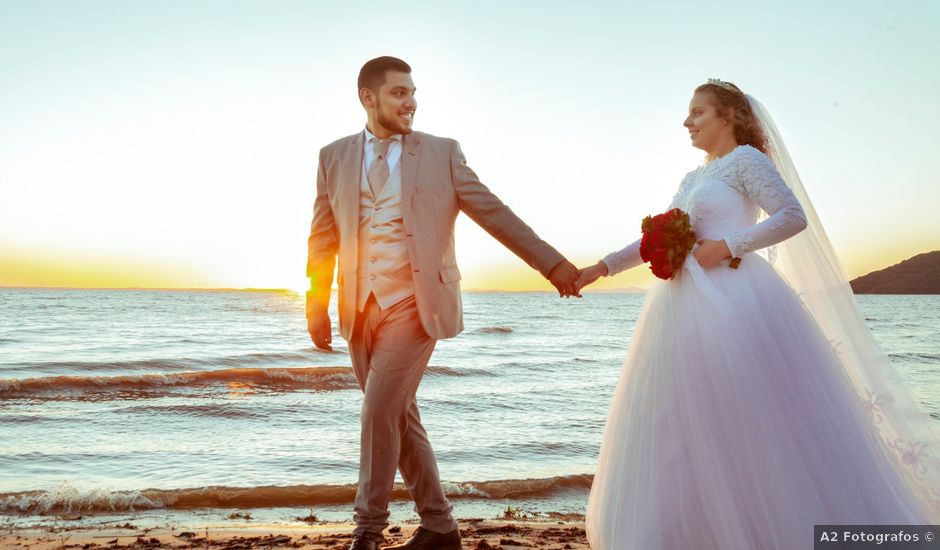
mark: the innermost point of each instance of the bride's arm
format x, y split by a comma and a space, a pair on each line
611, 264
758, 179
629, 257
623, 259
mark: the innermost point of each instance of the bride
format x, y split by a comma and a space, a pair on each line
753, 402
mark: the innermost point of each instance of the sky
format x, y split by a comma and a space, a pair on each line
174, 144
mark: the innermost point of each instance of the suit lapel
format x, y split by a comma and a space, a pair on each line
409, 169
349, 182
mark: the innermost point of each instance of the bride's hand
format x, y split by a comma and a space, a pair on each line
710, 253
591, 274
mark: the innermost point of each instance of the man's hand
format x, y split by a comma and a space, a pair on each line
320, 330
591, 274
564, 277
710, 253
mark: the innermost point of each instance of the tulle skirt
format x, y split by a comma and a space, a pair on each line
733, 426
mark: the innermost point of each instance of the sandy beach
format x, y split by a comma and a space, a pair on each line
477, 534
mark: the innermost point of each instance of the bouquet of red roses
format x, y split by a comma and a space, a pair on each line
667, 240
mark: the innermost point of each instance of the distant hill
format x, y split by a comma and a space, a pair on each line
917, 275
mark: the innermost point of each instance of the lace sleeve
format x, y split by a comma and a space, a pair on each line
629, 257
623, 259
757, 179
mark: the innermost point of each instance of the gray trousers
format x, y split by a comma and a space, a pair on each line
390, 351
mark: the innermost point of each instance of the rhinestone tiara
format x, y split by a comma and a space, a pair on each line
722, 84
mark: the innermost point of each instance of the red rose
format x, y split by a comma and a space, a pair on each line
657, 239
660, 259
646, 249
663, 271
667, 240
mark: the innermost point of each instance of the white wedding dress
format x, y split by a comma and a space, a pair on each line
734, 425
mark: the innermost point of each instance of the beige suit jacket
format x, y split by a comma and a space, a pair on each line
436, 185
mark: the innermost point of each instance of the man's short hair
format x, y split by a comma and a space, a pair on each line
372, 74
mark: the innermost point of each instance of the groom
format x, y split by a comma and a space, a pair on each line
387, 199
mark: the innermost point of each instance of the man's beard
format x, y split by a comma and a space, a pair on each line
392, 123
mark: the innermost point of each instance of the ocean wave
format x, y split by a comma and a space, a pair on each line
449, 371
215, 410
29, 419
523, 450
916, 357
317, 378
174, 364
540, 363
238, 379
495, 330
66, 499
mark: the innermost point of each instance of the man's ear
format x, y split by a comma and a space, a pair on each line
367, 97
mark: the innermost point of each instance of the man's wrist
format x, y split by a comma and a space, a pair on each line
560, 263
315, 305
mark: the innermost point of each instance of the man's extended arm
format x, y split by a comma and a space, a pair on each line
322, 246
490, 213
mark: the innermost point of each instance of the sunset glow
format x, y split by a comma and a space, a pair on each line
153, 145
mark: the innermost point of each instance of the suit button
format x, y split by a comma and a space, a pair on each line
372, 259
371, 277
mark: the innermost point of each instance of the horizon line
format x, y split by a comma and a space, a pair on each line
624, 290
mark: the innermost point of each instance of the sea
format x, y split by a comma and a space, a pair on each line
169, 403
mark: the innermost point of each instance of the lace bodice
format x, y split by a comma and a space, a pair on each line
723, 198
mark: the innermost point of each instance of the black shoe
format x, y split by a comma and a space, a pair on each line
363, 543
422, 539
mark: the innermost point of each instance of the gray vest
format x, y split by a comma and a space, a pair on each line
383, 266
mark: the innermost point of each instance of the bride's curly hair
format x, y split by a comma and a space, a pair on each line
732, 105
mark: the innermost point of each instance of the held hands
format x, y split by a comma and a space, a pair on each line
710, 253
320, 330
562, 273
591, 274
564, 277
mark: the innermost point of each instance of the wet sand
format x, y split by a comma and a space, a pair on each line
477, 534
